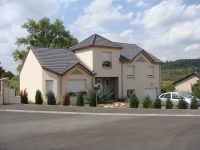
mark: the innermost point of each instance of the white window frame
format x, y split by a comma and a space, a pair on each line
150, 73
107, 59
128, 74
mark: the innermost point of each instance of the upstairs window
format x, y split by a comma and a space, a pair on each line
130, 71
106, 60
150, 72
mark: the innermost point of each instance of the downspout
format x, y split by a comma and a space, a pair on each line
122, 77
60, 86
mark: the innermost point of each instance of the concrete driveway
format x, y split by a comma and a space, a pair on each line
47, 131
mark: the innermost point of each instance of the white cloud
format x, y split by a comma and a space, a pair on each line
139, 3
193, 47
100, 16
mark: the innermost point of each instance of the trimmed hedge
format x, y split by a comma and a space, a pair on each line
51, 99
169, 104
194, 104
24, 96
38, 97
147, 102
182, 104
92, 99
134, 102
66, 99
80, 100
157, 103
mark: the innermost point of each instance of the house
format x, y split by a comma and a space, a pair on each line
95, 62
185, 84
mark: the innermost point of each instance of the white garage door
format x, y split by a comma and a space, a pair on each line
151, 92
76, 85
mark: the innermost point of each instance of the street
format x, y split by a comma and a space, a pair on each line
37, 131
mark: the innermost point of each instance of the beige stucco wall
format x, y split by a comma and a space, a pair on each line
31, 76
186, 85
86, 56
141, 82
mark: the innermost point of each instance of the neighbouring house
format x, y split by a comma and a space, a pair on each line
94, 63
185, 84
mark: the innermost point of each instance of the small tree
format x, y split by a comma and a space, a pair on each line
24, 96
196, 89
169, 104
167, 86
147, 102
66, 99
182, 104
134, 102
51, 99
157, 103
80, 99
92, 99
38, 97
194, 104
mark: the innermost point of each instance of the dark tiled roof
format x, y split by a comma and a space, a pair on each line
130, 51
95, 40
56, 60
193, 74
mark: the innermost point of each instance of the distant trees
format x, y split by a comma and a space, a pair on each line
196, 89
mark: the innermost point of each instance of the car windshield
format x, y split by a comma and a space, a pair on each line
186, 95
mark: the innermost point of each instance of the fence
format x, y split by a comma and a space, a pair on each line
7, 95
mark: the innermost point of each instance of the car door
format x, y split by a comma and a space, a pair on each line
168, 95
175, 98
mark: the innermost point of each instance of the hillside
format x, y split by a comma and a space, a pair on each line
174, 70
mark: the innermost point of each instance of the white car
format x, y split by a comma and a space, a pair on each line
175, 97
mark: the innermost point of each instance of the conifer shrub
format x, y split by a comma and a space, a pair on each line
80, 99
169, 104
182, 104
157, 103
38, 97
134, 102
92, 99
24, 96
66, 99
51, 99
147, 102
194, 104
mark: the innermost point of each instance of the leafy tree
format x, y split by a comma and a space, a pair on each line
196, 89
157, 103
66, 99
167, 86
43, 33
38, 97
9, 75
194, 104
24, 96
169, 104
134, 102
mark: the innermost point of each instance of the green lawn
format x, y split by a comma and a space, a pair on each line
14, 83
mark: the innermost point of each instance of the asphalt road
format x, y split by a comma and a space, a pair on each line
35, 131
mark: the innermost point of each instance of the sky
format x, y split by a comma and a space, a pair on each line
169, 29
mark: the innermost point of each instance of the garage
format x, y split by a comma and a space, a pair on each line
152, 92
76, 85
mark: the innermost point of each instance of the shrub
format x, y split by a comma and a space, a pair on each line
157, 103
51, 99
182, 104
66, 99
38, 97
24, 97
169, 104
80, 100
92, 98
134, 101
194, 104
147, 103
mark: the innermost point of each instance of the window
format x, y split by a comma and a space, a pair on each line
49, 85
130, 92
106, 60
130, 71
150, 72
167, 96
175, 96
162, 96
